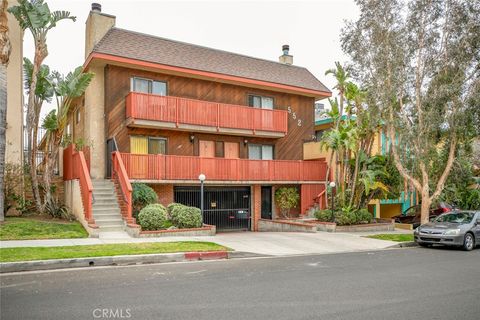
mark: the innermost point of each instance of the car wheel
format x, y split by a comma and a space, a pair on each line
468, 242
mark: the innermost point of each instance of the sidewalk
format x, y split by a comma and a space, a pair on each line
266, 243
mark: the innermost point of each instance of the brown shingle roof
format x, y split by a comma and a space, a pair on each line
139, 46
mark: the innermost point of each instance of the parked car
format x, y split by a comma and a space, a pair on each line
412, 214
456, 228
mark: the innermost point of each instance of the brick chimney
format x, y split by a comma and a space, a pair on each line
96, 27
285, 58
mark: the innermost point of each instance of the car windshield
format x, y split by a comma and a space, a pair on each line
456, 217
410, 211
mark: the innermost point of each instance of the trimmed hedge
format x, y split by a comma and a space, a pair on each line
185, 217
153, 217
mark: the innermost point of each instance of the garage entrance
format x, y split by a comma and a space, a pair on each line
228, 208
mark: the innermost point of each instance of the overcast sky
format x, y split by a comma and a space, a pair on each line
254, 28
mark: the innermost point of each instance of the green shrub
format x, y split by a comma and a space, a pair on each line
323, 215
346, 217
153, 217
174, 207
363, 216
286, 198
185, 217
142, 196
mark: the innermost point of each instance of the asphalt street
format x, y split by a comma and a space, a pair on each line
413, 283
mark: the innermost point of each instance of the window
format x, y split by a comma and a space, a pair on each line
148, 145
260, 102
157, 145
149, 86
78, 116
260, 152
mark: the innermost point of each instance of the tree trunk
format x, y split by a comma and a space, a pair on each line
3, 123
33, 162
425, 206
31, 112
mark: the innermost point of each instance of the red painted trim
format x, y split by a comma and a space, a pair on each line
140, 63
208, 255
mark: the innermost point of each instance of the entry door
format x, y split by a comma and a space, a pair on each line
111, 147
266, 203
232, 150
207, 149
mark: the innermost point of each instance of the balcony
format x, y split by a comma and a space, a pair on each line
167, 112
156, 168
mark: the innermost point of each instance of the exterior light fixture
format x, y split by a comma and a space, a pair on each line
332, 185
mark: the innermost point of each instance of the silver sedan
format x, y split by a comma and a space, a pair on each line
457, 228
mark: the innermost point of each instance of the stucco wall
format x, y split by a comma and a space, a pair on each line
94, 122
14, 147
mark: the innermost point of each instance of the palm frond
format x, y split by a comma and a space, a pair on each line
50, 121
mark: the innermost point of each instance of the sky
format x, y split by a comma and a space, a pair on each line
254, 28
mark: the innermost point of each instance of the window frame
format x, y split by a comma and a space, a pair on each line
261, 150
148, 142
260, 96
157, 138
150, 85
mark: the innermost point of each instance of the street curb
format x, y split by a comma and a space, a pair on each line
121, 260
408, 244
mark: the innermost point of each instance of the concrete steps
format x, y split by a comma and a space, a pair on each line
106, 210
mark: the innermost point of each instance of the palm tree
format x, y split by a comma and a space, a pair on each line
5, 49
66, 90
43, 92
341, 75
35, 15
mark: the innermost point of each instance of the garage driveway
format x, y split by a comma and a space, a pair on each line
291, 243
265, 243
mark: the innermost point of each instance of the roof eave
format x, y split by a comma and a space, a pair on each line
107, 58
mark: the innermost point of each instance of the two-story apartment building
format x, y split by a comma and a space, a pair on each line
171, 110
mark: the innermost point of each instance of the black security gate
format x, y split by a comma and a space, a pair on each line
228, 208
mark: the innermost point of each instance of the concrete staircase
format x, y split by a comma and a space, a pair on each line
106, 210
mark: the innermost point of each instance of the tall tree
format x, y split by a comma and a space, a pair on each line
66, 90
420, 61
5, 49
35, 15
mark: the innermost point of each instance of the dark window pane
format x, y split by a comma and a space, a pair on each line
156, 146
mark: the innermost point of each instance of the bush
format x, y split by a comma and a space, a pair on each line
323, 215
142, 196
153, 217
346, 217
57, 209
363, 216
349, 216
286, 198
185, 217
174, 207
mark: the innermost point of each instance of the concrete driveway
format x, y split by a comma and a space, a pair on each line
269, 243
292, 243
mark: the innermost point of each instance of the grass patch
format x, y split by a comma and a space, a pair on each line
393, 237
31, 229
101, 250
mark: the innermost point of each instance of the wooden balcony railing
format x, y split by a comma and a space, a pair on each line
167, 167
75, 167
204, 113
120, 175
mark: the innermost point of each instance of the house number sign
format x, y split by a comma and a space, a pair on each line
294, 116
